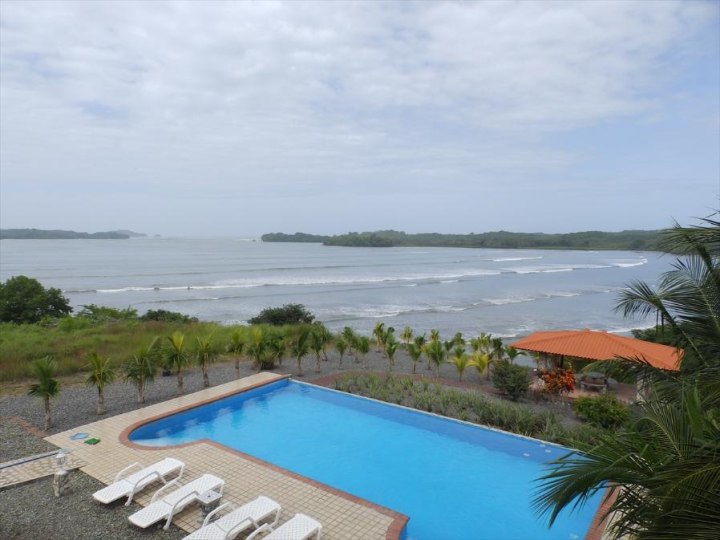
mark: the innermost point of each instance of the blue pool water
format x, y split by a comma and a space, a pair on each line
454, 480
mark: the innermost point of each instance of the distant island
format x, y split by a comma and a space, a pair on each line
44, 234
624, 240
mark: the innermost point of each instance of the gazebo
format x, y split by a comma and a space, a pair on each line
600, 345
596, 345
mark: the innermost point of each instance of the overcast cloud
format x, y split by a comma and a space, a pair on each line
239, 118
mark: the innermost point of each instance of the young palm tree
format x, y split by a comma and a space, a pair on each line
340, 346
460, 360
348, 334
434, 335
459, 340
512, 353
407, 335
363, 347
317, 345
236, 348
481, 362
258, 347
497, 348
300, 348
391, 347
47, 386
277, 346
435, 352
414, 352
379, 332
142, 368
101, 374
205, 354
176, 357
475, 344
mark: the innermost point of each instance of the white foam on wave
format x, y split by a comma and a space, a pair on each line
449, 281
547, 269
510, 259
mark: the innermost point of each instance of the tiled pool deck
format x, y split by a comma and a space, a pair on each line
343, 516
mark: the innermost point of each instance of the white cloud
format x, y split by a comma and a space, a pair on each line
148, 98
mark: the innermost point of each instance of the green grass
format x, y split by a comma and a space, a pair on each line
72, 339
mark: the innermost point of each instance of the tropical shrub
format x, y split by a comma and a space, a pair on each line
25, 300
557, 381
605, 410
287, 314
511, 380
163, 315
99, 314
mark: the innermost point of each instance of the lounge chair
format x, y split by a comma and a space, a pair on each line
236, 521
299, 527
175, 501
130, 485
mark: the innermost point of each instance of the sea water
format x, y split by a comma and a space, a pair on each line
505, 292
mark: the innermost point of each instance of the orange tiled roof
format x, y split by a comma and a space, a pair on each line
595, 345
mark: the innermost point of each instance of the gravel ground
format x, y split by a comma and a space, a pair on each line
76, 405
75, 515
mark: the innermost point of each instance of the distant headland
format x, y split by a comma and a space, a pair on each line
45, 234
624, 240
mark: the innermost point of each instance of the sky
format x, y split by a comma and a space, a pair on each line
240, 118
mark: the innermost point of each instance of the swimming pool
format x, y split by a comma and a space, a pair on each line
453, 480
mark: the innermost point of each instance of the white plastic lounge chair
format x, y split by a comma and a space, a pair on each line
130, 485
236, 521
299, 527
175, 501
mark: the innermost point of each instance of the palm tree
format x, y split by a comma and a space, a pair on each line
348, 334
277, 346
434, 335
101, 374
141, 368
414, 352
497, 348
663, 468
391, 346
687, 297
475, 344
317, 345
459, 340
300, 348
481, 362
407, 335
435, 353
176, 357
205, 354
363, 346
236, 347
460, 360
47, 386
340, 346
258, 347
379, 332
512, 353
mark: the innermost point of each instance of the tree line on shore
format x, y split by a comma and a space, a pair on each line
624, 240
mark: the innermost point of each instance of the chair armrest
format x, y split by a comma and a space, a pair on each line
262, 528
119, 475
175, 482
193, 493
212, 514
230, 533
135, 485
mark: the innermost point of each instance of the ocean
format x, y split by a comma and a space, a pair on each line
506, 292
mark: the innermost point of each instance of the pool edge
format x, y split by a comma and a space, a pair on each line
399, 521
